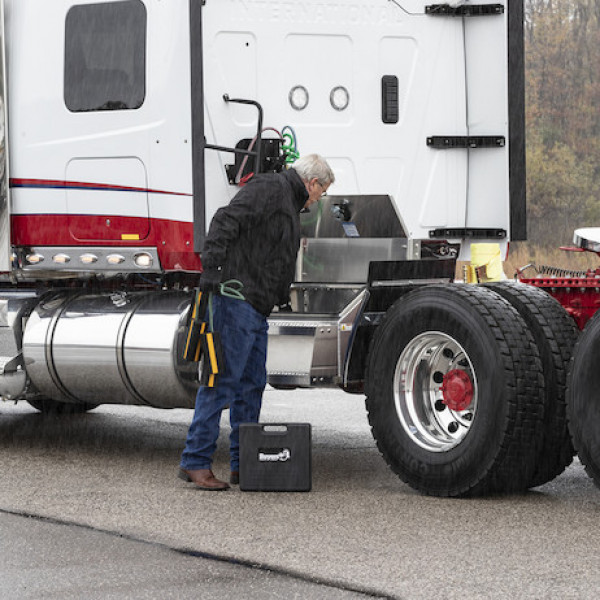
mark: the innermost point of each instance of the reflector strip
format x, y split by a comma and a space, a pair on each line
214, 366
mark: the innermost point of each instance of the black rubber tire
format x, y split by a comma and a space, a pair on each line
47, 406
500, 449
555, 334
583, 398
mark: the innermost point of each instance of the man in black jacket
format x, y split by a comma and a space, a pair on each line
254, 240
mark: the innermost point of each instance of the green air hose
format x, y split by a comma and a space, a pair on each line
232, 288
289, 148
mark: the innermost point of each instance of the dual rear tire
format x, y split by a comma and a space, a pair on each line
583, 395
461, 396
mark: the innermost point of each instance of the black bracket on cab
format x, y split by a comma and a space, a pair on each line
465, 10
445, 142
468, 232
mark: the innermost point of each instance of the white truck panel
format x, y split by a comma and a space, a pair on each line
261, 50
47, 137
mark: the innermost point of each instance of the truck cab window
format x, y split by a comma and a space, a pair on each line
105, 56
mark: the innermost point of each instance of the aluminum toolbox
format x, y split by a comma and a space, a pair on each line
275, 457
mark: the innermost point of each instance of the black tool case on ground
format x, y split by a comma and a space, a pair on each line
275, 457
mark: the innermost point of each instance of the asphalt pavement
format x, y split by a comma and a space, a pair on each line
42, 558
360, 529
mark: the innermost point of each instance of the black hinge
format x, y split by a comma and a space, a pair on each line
443, 142
468, 232
466, 10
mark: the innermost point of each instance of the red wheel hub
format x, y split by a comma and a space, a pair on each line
457, 390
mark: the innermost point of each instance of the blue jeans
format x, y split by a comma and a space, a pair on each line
244, 338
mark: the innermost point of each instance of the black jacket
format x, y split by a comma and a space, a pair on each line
255, 239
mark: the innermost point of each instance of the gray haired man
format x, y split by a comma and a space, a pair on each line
255, 240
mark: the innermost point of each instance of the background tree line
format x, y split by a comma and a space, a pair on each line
562, 57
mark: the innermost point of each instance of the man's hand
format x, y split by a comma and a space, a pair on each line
285, 306
210, 280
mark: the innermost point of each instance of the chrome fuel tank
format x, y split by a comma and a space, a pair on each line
122, 348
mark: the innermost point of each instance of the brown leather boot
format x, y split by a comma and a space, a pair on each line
203, 479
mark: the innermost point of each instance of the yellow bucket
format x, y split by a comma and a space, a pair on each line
486, 264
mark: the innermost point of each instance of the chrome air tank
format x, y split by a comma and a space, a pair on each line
120, 347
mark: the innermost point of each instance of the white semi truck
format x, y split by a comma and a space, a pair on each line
127, 123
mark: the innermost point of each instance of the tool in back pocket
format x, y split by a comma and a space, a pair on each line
195, 327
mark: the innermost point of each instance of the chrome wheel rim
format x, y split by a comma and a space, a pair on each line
435, 391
